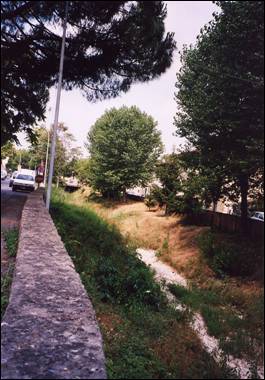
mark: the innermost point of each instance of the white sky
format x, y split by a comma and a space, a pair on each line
156, 98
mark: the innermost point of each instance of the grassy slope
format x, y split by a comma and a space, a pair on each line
143, 337
233, 307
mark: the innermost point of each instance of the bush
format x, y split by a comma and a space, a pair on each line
234, 256
150, 202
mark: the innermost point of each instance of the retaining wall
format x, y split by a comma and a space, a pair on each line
49, 330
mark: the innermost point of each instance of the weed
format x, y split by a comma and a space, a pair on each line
6, 281
165, 246
11, 240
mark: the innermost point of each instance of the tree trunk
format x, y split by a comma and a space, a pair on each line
124, 195
244, 187
214, 205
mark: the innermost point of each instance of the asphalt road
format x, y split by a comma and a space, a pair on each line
11, 206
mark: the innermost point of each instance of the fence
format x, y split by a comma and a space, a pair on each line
229, 223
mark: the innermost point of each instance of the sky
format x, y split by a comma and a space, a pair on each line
156, 98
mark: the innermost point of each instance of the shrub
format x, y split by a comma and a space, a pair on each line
150, 202
234, 256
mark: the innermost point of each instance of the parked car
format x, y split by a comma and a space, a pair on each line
3, 174
13, 176
25, 180
258, 215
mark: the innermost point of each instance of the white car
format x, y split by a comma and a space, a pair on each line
258, 215
25, 180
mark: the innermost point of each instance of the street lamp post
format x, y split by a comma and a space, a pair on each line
56, 116
46, 159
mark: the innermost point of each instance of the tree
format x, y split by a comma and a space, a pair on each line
82, 170
220, 95
124, 145
182, 189
66, 155
109, 46
168, 171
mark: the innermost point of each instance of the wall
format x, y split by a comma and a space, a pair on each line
49, 329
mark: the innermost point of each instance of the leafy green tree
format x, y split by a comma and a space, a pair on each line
211, 182
124, 145
9, 150
65, 153
168, 171
182, 189
220, 96
82, 170
109, 46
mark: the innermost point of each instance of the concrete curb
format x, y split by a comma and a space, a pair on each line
49, 330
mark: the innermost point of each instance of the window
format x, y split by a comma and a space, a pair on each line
25, 176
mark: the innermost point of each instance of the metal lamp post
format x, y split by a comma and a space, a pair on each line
46, 159
56, 116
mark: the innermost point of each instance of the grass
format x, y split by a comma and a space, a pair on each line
240, 335
11, 241
143, 337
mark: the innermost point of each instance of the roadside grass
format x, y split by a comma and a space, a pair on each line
11, 241
143, 336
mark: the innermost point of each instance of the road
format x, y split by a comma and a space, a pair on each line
11, 209
11, 206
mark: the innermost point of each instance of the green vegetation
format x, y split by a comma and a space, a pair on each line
67, 156
143, 337
184, 189
240, 331
6, 281
220, 100
102, 59
124, 145
11, 239
231, 255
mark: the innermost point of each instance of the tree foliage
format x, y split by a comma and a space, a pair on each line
82, 170
124, 145
181, 190
66, 154
220, 95
109, 46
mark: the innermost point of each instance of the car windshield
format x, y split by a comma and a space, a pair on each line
25, 176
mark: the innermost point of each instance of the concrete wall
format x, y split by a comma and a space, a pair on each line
49, 330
